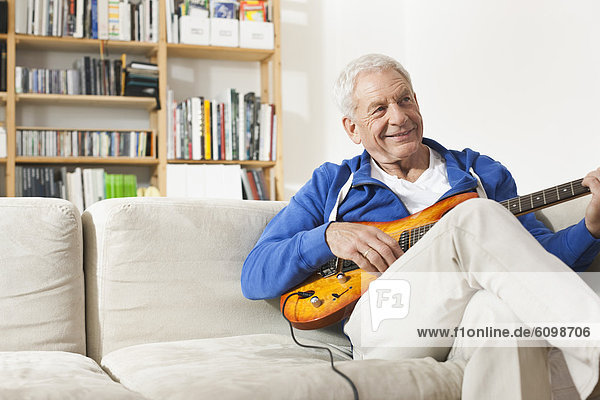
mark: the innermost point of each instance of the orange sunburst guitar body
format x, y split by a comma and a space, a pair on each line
336, 297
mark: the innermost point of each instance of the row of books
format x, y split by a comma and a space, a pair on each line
77, 143
244, 10
188, 21
231, 127
91, 76
254, 185
96, 19
2, 66
82, 187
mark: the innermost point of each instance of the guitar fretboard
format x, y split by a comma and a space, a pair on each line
531, 202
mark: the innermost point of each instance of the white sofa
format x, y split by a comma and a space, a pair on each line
139, 298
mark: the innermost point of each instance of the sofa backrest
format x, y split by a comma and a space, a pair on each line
163, 269
41, 276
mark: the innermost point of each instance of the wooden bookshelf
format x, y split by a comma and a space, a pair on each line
142, 161
147, 103
217, 53
243, 163
70, 44
161, 53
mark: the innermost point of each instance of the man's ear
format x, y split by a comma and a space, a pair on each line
350, 128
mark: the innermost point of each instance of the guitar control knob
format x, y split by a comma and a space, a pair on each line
342, 278
315, 301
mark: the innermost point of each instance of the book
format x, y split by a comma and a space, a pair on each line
2, 66
207, 131
4, 16
143, 65
197, 127
224, 9
253, 186
253, 11
20, 17
2, 142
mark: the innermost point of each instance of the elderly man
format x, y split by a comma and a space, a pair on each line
479, 264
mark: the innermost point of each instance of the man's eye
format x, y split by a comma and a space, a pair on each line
379, 109
406, 99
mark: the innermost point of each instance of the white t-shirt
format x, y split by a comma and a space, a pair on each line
422, 193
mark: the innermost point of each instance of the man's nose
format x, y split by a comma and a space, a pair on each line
396, 114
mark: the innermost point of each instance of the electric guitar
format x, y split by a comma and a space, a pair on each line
332, 292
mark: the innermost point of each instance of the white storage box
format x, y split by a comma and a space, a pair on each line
194, 30
224, 32
257, 35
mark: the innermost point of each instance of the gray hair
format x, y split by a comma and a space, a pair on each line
343, 89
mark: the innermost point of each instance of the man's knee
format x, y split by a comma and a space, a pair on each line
480, 206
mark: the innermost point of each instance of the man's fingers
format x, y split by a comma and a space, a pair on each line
392, 244
375, 260
593, 182
369, 247
363, 263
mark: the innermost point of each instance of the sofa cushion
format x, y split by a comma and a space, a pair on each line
164, 269
273, 367
56, 375
41, 285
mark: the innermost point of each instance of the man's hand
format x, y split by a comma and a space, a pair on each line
370, 248
592, 213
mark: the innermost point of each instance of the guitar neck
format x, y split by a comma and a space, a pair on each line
545, 198
518, 206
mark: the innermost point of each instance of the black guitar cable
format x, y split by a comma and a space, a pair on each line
305, 295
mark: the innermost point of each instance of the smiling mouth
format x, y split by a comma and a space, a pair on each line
400, 134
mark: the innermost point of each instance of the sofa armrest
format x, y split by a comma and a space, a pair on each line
41, 275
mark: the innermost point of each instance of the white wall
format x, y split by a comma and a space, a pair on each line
318, 39
516, 80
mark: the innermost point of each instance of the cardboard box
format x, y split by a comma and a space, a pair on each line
257, 35
224, 32
194, 30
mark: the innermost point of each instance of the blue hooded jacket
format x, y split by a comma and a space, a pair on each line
293, 245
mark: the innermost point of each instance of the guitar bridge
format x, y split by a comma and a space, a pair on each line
329, 268
335, 266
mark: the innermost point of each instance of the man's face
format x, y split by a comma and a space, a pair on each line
386, 120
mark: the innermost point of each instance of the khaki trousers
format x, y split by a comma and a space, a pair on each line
479, 257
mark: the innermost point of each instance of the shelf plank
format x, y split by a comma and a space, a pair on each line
217, 52
77, 45
88, 100
2, 160
3, 97
246, 163
143, 161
